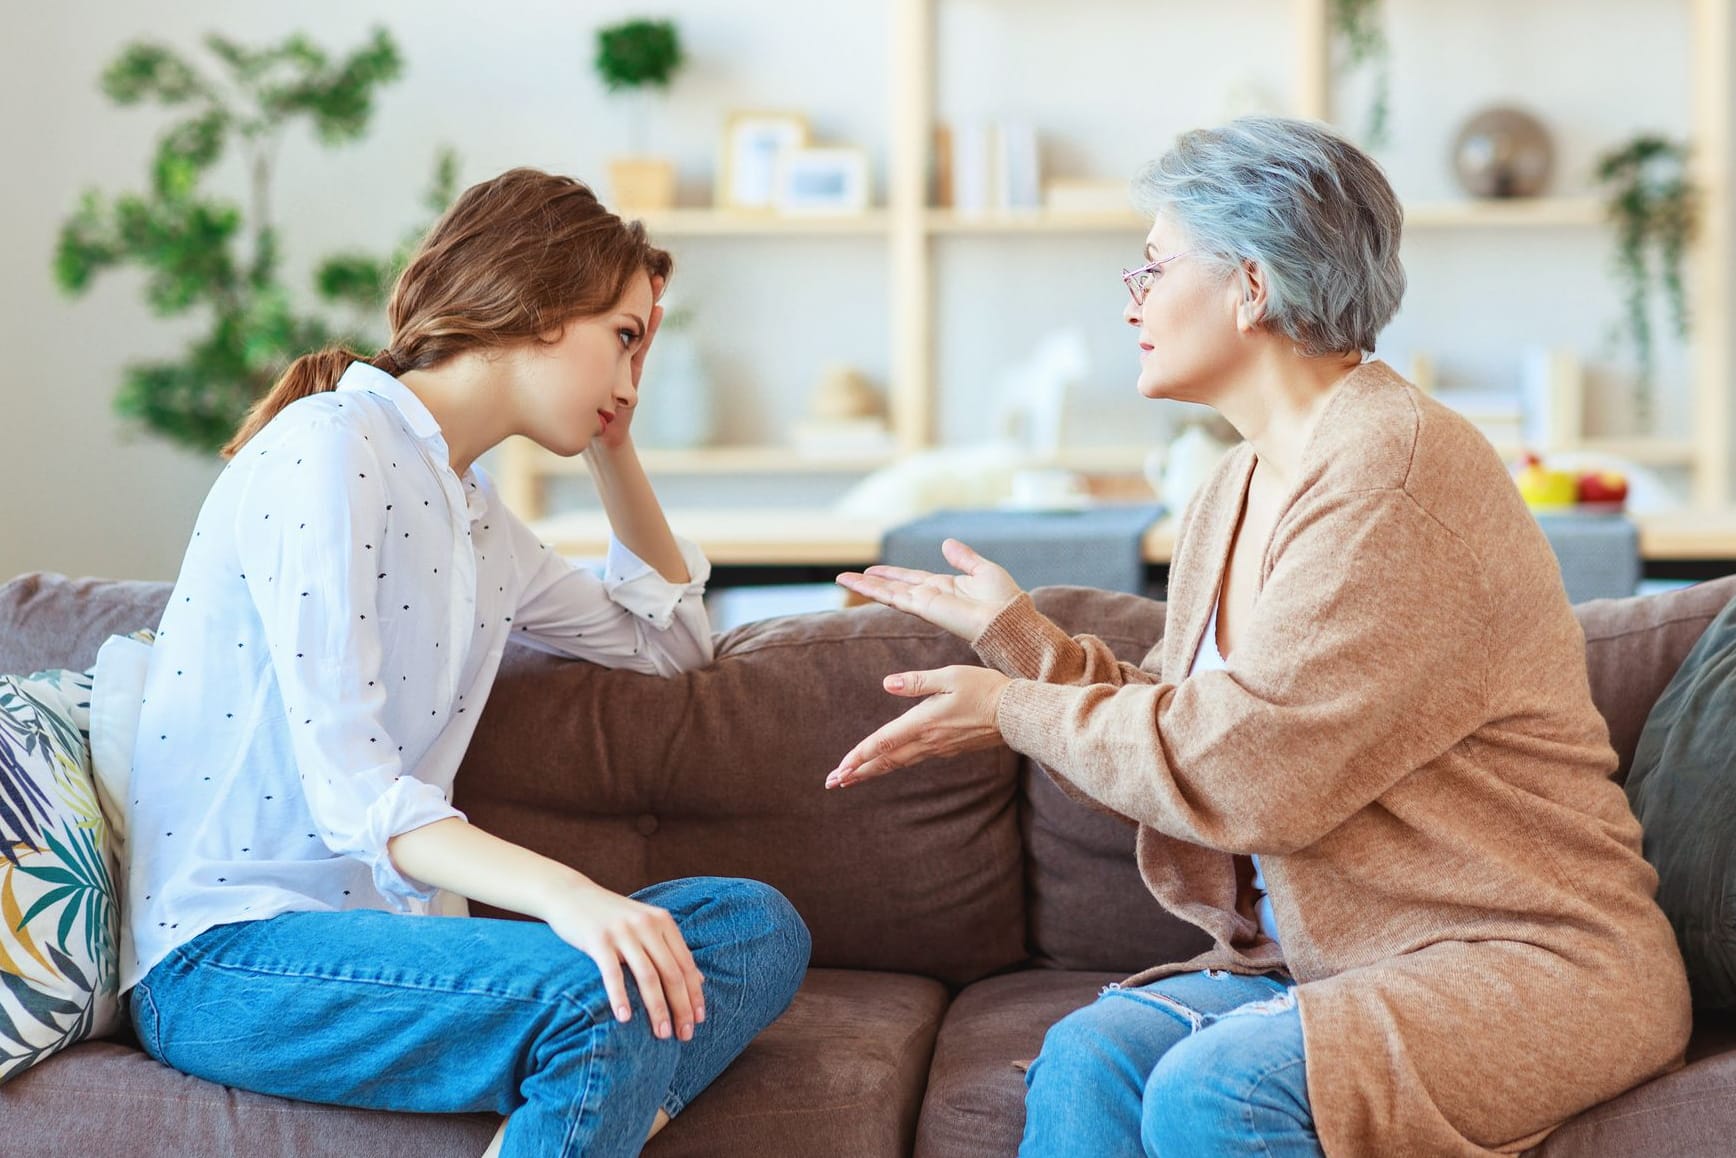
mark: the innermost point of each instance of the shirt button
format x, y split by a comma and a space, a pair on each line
646, 824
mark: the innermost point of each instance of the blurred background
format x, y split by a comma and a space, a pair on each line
898, 228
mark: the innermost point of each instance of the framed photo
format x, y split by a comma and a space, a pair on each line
752, 144
829, 180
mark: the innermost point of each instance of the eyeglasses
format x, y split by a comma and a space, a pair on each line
1139, 280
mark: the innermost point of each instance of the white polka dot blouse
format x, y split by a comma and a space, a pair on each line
337, 624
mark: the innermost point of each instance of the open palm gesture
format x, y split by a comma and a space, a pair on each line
963, 604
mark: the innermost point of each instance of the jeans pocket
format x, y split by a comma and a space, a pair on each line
145, 1020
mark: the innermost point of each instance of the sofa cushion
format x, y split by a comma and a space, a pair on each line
50, 621
846, 1063
1633, 647
1688, 1114
841, 1072
635, 779
58, 952
102, 1097
1683, 789
1088, 908
976, 1092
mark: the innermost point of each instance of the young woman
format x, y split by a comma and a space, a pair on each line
1364, 758
351, 584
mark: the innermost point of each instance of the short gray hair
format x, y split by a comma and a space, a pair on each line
1313, 211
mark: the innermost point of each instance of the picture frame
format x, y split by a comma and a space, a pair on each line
813, 181
753, 142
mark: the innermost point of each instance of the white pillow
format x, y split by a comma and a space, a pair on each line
116, 698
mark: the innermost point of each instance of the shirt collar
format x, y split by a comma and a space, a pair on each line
362, 376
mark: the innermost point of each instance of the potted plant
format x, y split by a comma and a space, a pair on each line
1654, 206
202, 252
634, 58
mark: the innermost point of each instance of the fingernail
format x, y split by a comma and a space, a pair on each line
623, 1012
896, 683
663, 1029
686, 1033
699, 1014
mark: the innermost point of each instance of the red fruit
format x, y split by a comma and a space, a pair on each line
1605, 486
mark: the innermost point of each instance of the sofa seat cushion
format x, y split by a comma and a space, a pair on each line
1688, 1114
975, 1106
842, 1072
976, 1090
846, 1064
105, 1098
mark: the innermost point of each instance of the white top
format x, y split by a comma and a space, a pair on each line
1209, 658
331, 640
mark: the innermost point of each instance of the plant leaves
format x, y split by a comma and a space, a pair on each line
43, 903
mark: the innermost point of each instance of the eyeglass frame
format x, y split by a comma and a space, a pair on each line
1128, 276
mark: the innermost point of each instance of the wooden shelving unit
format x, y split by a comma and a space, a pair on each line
727, 223
911, 228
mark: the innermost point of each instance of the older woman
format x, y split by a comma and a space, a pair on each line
1364, 758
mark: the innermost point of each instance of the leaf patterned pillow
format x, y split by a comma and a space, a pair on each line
58, 903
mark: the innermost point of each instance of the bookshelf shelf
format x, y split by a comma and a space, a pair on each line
1537, 213
725, 460
1645, 451
1530, 213
727, 223
943, 222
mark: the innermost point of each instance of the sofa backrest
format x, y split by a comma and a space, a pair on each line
1633, 647
1088, 908
636, 779
49, 621
955, 869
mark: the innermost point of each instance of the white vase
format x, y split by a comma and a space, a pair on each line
677, 408
1190, 461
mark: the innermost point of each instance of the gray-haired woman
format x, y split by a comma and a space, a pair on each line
1364, 758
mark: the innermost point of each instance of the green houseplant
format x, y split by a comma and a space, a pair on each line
1654, 206
1361, 31
637, 58
202, 252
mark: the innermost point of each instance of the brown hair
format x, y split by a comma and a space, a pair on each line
511, 260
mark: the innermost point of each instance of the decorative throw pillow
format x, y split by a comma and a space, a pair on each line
1683, 788
58, 900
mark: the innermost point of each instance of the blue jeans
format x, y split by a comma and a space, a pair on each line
437, 1014
1196, 1064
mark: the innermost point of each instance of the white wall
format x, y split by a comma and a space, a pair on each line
1107, 82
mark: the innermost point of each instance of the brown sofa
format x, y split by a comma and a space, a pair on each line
957, 909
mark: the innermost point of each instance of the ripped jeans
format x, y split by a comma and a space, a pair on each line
1193, 1065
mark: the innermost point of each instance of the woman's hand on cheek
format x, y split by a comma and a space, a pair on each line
616, 437
957, 715
651, 324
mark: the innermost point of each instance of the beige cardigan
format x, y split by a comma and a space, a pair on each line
1405, 734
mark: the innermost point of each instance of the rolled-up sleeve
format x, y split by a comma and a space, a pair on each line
629, 617
307, 527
